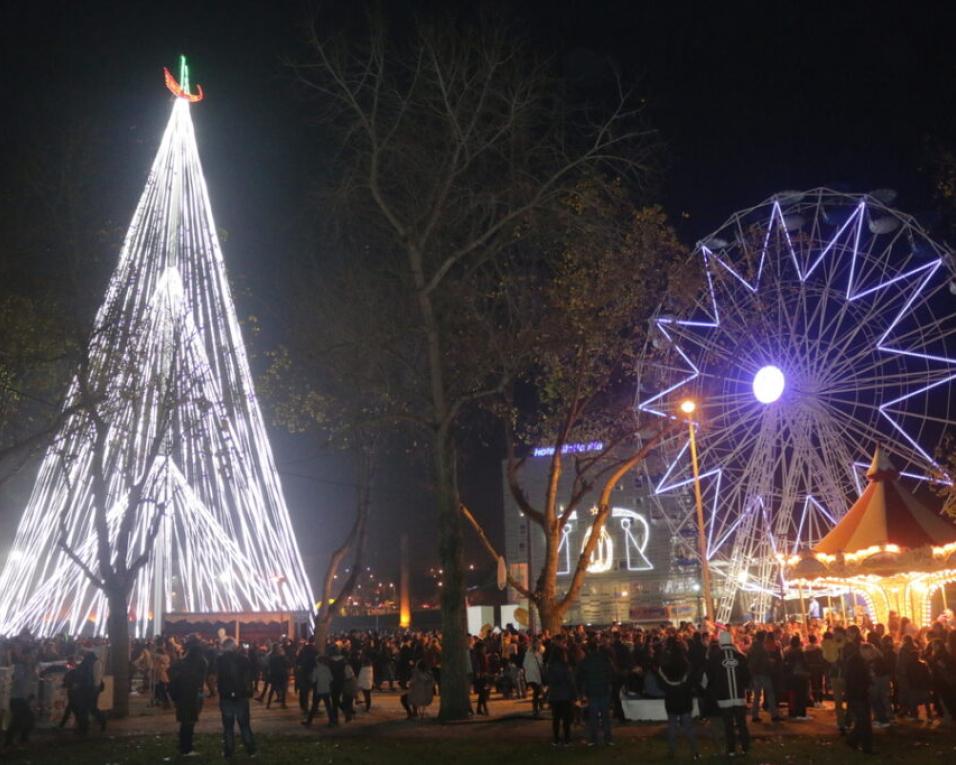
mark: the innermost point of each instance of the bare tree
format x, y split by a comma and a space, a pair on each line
453, 140
129, 392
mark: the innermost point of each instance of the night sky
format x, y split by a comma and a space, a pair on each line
749, 98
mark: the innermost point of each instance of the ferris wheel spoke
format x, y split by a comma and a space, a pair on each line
872, 378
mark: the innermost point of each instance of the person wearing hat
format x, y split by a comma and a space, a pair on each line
728, 678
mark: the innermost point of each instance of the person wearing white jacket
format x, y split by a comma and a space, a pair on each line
534, 676
322, 691
366, 681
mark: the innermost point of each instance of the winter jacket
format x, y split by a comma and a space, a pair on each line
857, 678
728, 677
560, 681
758, 662
366, 679
322, 678
278, 668
421, 689
337, 665
795, 663
678, 693
305, 661
234, 676
532, 667
595, 675
349, 685
24, 682
813, 656
186, 687
622, 656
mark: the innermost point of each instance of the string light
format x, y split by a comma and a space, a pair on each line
226, 538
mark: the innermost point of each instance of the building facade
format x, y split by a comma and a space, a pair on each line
640, 572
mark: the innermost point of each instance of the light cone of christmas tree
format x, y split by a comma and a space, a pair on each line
182, 434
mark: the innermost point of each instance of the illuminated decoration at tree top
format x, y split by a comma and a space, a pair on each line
225, 542
822, 326
181, 89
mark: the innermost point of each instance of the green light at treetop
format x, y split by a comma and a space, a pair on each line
184, 74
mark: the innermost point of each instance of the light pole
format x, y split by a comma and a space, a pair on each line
688, 407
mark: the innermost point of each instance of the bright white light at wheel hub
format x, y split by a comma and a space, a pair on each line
768, 384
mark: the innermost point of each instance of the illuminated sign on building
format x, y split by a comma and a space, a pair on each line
625, 530
547, 451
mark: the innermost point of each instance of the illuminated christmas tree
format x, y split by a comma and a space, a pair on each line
215, 532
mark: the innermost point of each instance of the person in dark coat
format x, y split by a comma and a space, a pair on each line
942, 666
858, 697
561, 694
304, 666
22, 719
728, 678
676, 677
337, 665
481, 674
813, 656
71, 686
797, 675
762, 673
187, 682
915, 680
87, 691
278, 670
622, 664
234, 679
596, 674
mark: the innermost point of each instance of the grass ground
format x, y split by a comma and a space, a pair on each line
899, 746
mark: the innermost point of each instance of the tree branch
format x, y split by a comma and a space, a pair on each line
490, 548
71, 554
604, 510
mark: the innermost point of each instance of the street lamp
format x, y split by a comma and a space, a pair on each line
688, 407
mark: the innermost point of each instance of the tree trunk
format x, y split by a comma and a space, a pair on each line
117, 626
550, 615
322, 625
455, 704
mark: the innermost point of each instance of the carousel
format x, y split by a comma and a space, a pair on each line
889, 550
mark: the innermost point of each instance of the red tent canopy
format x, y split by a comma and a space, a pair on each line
886, 513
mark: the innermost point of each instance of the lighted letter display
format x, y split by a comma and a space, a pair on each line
622, 544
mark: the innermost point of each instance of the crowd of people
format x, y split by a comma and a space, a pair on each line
737, 676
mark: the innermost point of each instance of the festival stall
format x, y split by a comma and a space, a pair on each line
253, 626
889, 549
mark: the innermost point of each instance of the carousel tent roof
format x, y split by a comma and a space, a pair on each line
886, 513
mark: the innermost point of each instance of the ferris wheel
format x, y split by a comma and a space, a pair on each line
807, 330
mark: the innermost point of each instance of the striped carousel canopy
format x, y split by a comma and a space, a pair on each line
886, 513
